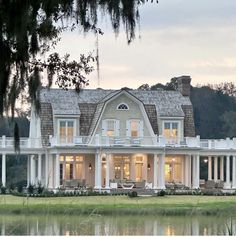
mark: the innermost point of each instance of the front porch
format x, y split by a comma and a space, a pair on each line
110, 171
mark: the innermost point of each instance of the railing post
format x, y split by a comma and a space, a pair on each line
50, 140
228, 142
97, 140
3, 141
29, 142
234, 143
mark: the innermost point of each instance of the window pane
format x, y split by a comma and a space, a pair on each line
110, 128
123, 107
62, 131
167, 125
134, 128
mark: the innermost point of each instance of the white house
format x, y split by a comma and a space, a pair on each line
109, 139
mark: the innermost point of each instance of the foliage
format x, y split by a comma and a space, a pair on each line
39, 188
3, 189
214, 107
30, 189
132, 194
162, 193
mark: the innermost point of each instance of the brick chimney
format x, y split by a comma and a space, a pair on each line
184, 85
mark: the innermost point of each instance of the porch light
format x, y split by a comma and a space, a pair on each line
173, 159
205, 160
90, 166
149, 166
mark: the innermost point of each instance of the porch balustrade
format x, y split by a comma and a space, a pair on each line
157, 141
25, 142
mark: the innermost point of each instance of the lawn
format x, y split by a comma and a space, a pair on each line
206, 205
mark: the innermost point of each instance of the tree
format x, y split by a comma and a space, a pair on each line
144, 87
29, 28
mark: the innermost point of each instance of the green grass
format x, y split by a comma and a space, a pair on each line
168, 205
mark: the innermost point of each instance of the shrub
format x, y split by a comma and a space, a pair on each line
162, 193
40, 188
30, 189
133, 194
3, 189
20, 188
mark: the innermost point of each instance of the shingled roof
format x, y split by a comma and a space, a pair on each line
158, 103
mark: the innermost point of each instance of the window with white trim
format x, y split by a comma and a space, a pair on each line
66, 130
134, 128
110, 127
122, 106
171, 129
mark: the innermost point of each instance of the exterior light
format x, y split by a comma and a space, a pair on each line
205, 160
173, 159
149, 166
90, 166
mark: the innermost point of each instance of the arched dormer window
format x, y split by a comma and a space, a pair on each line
122, 106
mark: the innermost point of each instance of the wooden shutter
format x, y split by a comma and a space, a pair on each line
141, 128
128, 133
104, 127
117, 128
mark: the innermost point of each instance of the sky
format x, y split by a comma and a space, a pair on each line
176, 37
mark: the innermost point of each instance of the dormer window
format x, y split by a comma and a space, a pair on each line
122, 106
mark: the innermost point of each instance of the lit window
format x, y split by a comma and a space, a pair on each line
110, 128
134, 128
122, 107
171, 129
66, 131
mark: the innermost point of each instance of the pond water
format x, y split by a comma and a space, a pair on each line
116, 225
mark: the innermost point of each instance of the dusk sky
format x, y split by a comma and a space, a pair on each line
177, 37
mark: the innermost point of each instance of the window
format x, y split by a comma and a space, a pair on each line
110, 128
66, 131
134, 128
122, 106
171, 129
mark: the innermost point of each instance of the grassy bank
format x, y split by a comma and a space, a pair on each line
167, 205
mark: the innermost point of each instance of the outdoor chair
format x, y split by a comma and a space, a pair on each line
210, 184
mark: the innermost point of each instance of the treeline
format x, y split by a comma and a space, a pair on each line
214, 107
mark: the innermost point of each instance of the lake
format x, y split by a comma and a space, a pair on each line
115, 225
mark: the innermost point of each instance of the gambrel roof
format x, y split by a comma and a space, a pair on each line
88, 104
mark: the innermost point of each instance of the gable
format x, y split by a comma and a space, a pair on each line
135, 111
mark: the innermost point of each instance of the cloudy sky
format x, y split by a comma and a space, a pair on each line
177, 37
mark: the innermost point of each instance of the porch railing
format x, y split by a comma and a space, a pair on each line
25, 142
156, 141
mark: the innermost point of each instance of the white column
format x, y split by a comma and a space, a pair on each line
215, 168
32, 170
57, 171
161, 168
209, 168
193, 171
46, 170
108, 157
98, 172
4, 170
227, 185
195, 174
133, 175
187, 171
28, 171
234, 173
39, 168
222, 168
190, 171
198, 170
155, 171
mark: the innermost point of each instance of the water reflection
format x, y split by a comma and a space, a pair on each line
115, 225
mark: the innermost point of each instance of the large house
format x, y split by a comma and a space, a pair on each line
111, 139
